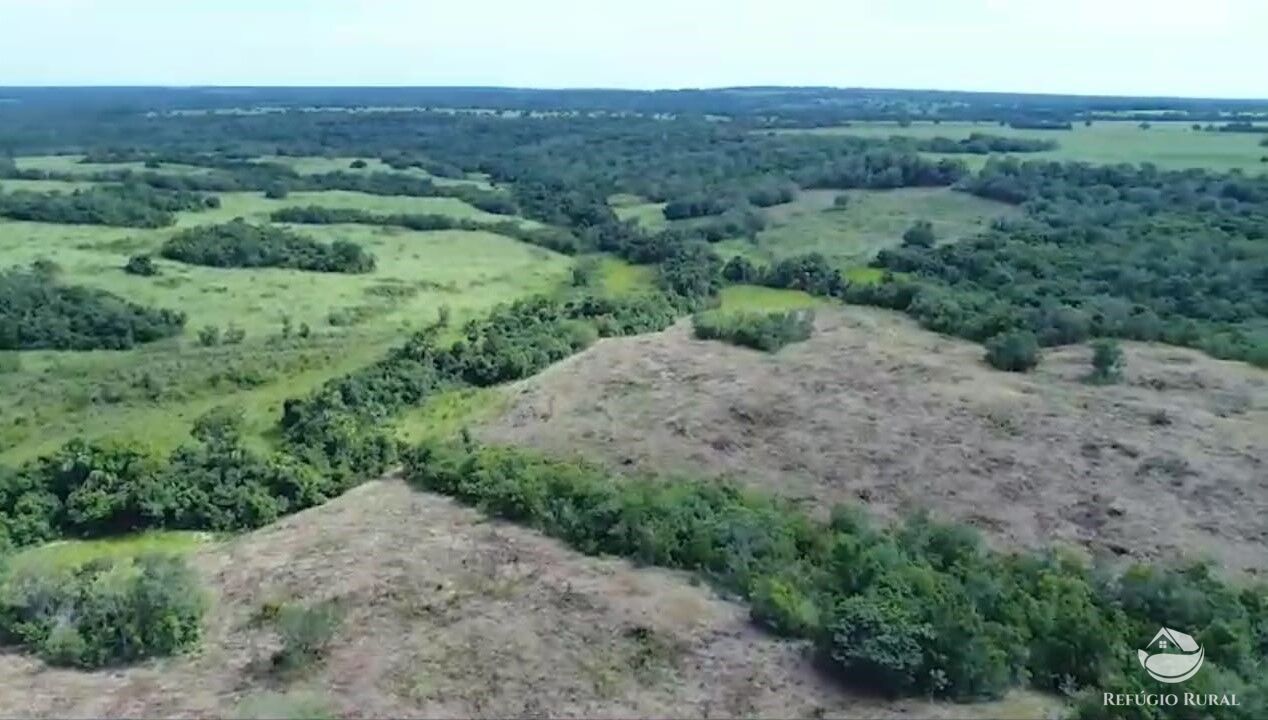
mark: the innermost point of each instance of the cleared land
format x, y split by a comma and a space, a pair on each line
428, 588
1169, 145
873, 410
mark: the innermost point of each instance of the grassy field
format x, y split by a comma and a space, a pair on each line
304, 165
1168, 145
43, 185
632, 207
151, 394
874, 219
73, 553
72, 164
618, 277
754, 298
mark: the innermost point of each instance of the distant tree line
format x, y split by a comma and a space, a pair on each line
1120, 251
129, 205
555, 239
1038, 124
38, 312
245, 245
984, 144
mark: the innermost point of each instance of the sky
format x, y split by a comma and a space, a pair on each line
1212, 48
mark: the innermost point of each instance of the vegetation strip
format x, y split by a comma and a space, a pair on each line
918, 608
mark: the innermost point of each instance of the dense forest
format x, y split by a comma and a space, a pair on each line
38, 312
242, 244
1120, 251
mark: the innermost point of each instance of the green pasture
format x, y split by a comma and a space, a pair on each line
151, 394
310, 165
1169, 145
8, 185
313, 165
754, 298
874, 220
73, 553
72, 164
618, 277
632, 207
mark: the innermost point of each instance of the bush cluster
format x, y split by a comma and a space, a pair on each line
920, 608
214, 483
241, 244
38, 312
810, 273
130, 205
761, 331
552, 238
104, 612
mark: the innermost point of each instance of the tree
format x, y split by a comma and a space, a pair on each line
277, 191
1016, 351
1107, 360
142, 265
919, 235
209, 336
234, 335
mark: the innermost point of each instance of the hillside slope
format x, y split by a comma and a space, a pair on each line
1171, 463
449, 615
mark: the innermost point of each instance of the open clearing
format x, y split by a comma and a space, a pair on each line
1169, 145
1171, 463
449, 615
307, 165
874, 220
151, 394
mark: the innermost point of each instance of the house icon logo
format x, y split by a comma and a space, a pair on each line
1171, 657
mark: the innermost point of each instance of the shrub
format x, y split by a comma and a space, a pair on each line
234, 335
305, 633
142, 265
877, 640
1014, 351
209, 336
760, 331
1107, 361
357, 164
104, 612
277, 192
919, 235
841, 201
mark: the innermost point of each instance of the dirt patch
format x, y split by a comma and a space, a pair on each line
448, 615
1171, 463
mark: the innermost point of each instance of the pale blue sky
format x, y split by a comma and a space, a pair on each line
1138, 47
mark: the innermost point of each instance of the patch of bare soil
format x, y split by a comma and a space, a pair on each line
1170, 463
449, 615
